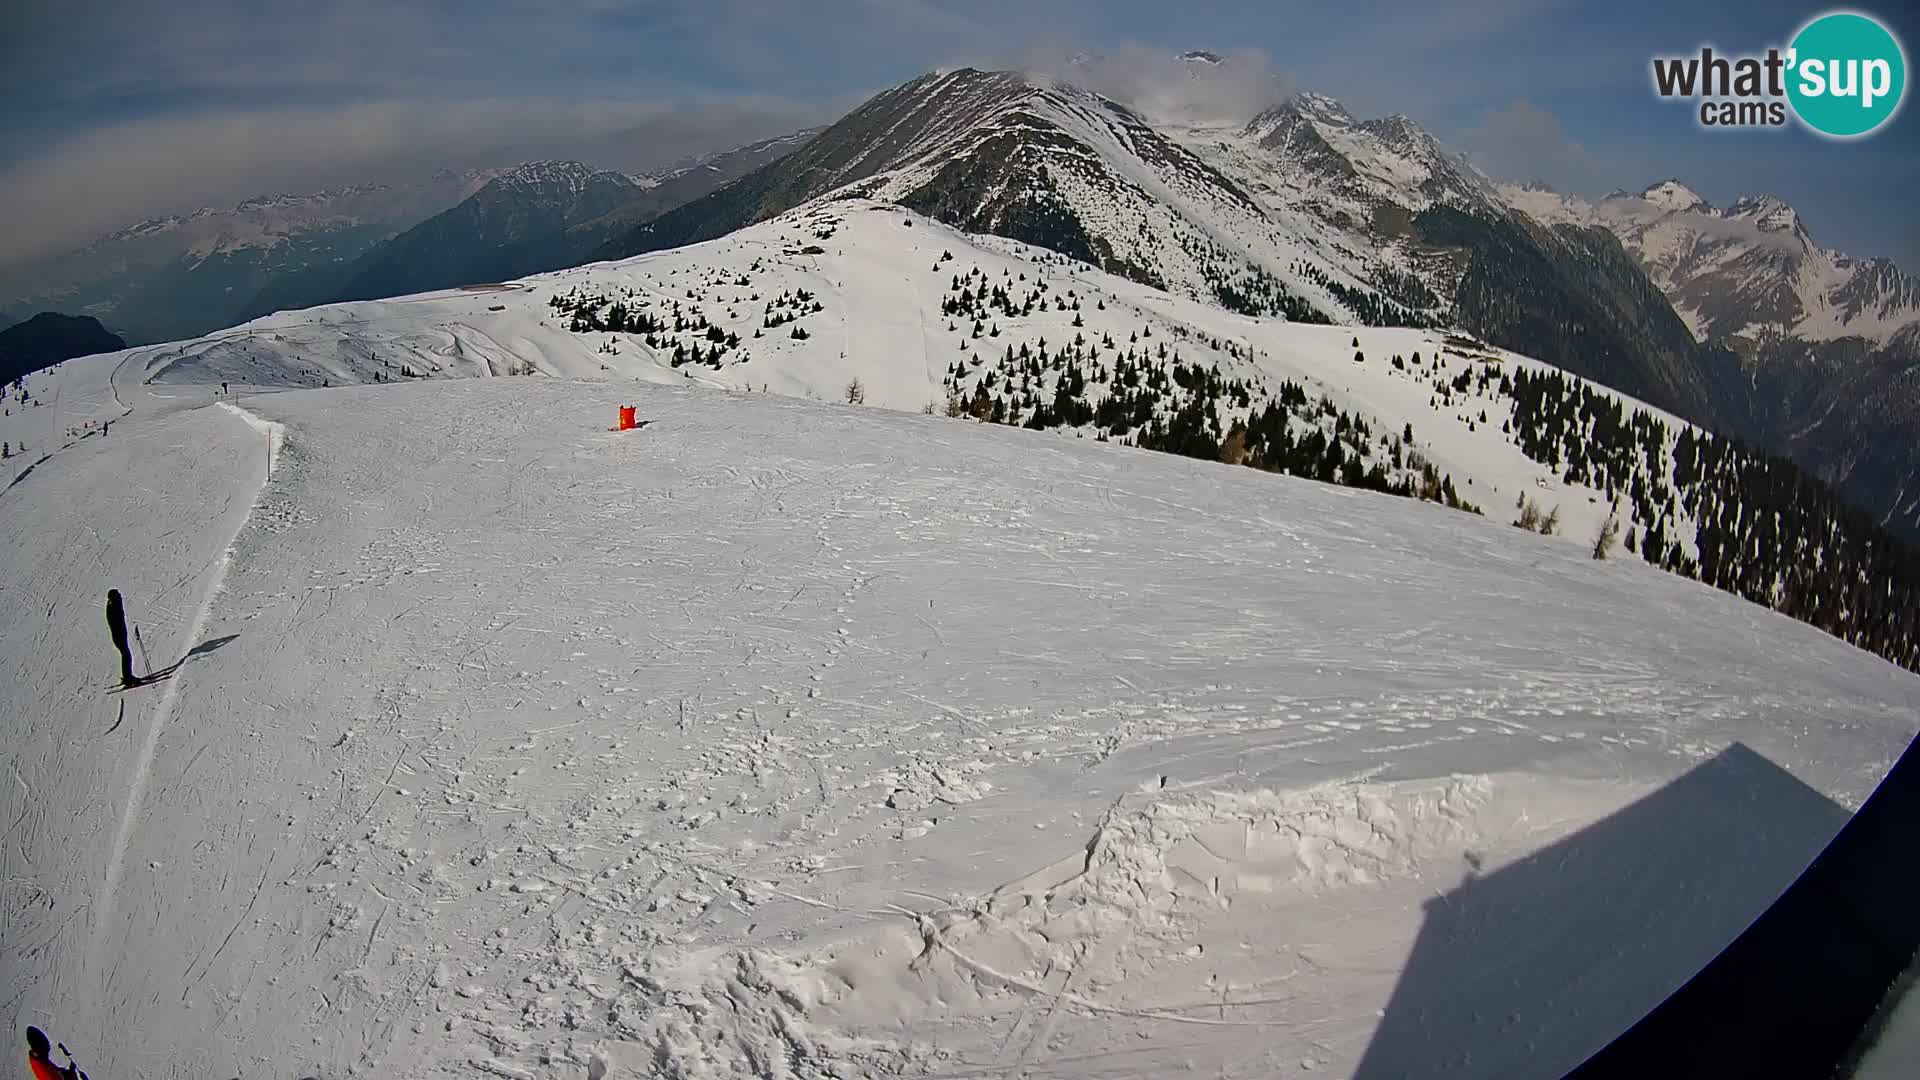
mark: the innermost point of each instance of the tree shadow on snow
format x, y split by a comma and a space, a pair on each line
1528, 970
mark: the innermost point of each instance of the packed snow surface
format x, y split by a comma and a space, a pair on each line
793, 739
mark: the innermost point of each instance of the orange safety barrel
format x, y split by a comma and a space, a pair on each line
626, 417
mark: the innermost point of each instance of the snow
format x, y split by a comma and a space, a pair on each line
1895, 1049
789, 738
562, 178
1674, 195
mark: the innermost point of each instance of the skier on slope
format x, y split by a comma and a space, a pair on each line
40, 1059
117, 626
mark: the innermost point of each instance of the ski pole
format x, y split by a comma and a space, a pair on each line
73, 1067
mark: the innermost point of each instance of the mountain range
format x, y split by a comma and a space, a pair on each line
1305, 212
1733, 318
179, 276
536, 217
1745, 274
1828, 345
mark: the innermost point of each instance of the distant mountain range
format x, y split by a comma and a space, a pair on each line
47, 339
1745, 274
1828, 345
511, 226
179, 276
540, 216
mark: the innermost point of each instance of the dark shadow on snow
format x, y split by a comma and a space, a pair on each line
1796, 993
1525, 971
204, 648
208, 646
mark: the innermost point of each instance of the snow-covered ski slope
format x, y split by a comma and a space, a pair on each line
880, 277
793, 739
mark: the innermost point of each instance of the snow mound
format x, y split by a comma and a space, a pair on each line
1161, 876
1166, 878
745, 1014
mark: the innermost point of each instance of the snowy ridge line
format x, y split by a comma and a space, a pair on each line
143, 764
275, 433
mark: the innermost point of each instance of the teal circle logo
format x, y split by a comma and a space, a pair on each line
1846, 74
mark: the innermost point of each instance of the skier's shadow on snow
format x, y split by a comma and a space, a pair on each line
204, 648
207, 646
1529, 969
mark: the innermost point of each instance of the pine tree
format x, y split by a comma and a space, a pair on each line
1607, 536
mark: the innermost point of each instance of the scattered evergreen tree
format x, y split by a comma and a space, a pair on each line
1608, 534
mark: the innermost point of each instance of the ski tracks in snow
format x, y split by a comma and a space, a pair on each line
272, 436
695, 751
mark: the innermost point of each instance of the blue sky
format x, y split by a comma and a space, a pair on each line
118, 110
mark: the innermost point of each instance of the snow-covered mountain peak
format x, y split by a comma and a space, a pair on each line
1745, 273
1389, 159
566, 175
137, 230
1769, 212
1674, 195
1398, 126
261, 219
1282, 121
1318, 106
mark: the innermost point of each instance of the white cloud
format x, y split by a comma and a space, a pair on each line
1522, 141
1163, 86
1742, 230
